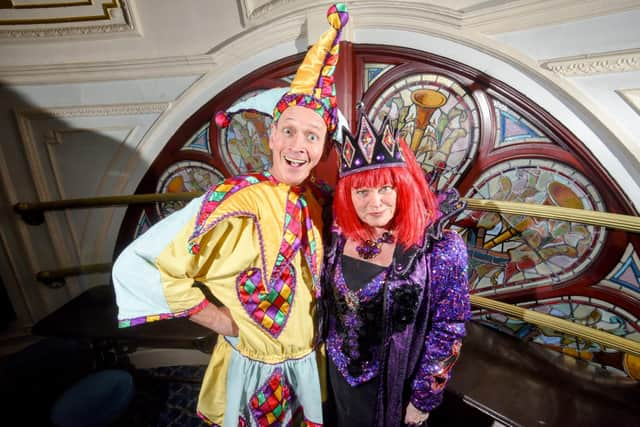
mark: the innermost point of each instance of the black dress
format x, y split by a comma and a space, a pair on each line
350, 406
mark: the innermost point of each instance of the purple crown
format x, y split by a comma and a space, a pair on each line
369, 149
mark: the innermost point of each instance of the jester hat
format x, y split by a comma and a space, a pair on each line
313, 86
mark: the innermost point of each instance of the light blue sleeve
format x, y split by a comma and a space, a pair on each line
136, 279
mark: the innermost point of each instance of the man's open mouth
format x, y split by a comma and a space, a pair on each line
296, 163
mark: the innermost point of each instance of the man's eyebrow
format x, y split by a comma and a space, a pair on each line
310, 124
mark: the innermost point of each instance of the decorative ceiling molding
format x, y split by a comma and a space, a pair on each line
93, 110
257, 12
17, 12
585, 65
491, 17
631, 97
71, 32
254, 11
24, 21
256, 39
108, 70
488, 17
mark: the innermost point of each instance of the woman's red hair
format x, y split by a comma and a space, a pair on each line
413, 214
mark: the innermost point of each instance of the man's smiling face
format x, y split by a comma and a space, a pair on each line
297, 144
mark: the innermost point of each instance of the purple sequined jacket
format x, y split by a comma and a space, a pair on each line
419, 347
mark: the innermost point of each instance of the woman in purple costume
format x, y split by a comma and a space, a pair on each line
395, 297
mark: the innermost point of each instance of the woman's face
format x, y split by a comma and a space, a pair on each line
375, 206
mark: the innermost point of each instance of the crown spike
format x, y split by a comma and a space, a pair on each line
369, 148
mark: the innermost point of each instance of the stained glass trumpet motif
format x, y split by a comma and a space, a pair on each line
426, 102
557, 195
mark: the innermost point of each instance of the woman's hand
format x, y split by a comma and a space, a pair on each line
414, 416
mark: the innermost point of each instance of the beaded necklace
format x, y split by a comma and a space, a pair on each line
372, 248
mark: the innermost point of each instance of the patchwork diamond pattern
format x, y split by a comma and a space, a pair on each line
270, 403
269, 305
213, 198
267, 300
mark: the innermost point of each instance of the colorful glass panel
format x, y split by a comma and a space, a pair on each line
185, 176
199, 141
144, 223
585, 311
373, 71
438, 118
288, 79
511, 128
244, 144
508, 252
625, 277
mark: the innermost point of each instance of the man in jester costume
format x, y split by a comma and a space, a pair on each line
253, 242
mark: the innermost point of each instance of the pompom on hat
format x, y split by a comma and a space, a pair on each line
313, 86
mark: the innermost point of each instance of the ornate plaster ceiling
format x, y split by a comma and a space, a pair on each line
28, 19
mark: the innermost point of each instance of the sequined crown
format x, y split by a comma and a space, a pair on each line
369, 148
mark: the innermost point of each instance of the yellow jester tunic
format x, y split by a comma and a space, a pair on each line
256, 244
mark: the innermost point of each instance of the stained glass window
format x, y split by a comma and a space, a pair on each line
244, 144
512, 128
199, 141
437, 117
516, 251
485, 139
373, 71
185, 176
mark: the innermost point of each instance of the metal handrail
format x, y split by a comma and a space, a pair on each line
32, 213
546, 320
583, 216
56, 278
103, 201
